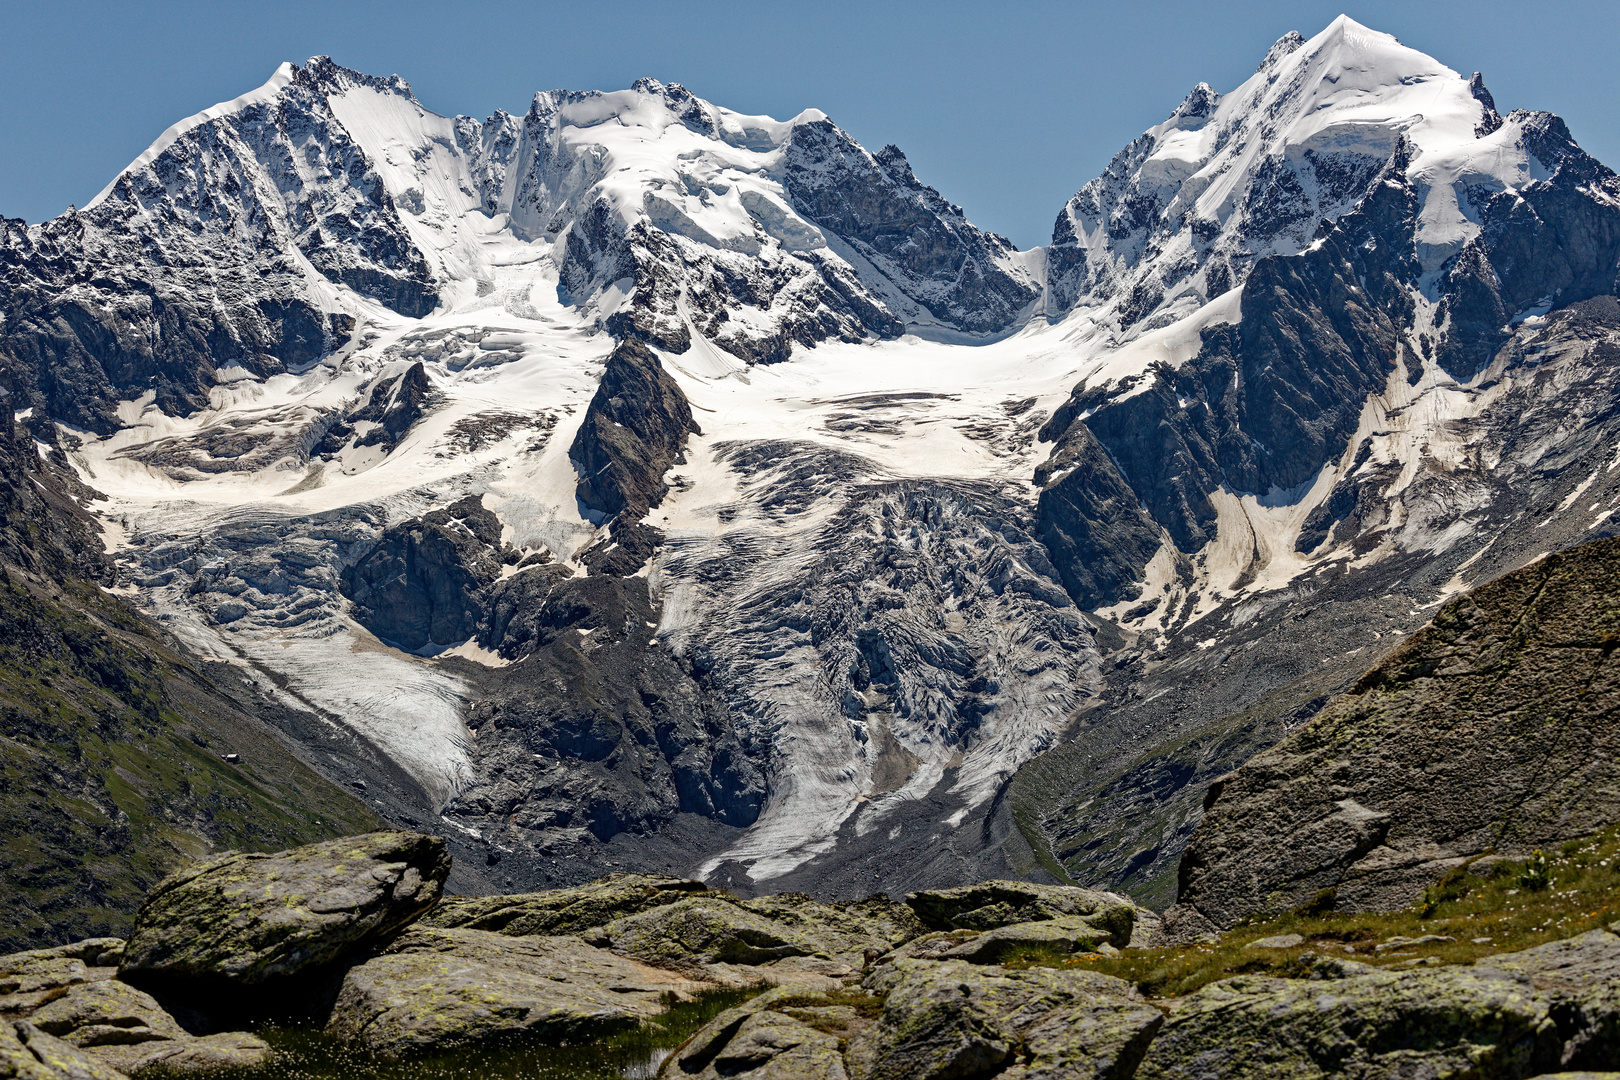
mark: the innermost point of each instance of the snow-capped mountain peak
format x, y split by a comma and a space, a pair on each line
1182, 213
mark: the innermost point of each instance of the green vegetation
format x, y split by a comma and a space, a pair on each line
308, 1054
112, 768
1496, 906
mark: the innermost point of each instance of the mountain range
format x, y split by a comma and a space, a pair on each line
637, 484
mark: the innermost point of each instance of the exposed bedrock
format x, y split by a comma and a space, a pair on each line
1491, 728
1521, 470
423, 582
1261, 408
634, 429
1269, 400
597, 732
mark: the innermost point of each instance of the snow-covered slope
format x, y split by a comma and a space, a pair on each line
1182, 213
657, 485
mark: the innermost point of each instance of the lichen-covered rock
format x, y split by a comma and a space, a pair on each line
127, 1029
931, 946
1371, 1022
1582, 976
27, 1053
204, 1054
783, 1034
773, 1046
248, 919
992, 904
944, 1020
106, 1013
1066, 933
847, 930
29, 979
703, 930
437, 987
564, 911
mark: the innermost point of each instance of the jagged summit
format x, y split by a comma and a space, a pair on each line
663, 213
1181, 214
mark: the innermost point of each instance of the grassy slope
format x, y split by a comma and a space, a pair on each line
112, 766
112, 741
1520, 904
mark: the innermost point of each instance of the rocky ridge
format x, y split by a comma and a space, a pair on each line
849, 990
1487, 731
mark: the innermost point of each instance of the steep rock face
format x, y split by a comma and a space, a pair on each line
1519, 468
597, 732
924, 245
1261, 407
634, 429
218, 248
1488, 729
421, 584
1271, 400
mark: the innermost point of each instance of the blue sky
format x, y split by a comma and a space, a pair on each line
1007, 108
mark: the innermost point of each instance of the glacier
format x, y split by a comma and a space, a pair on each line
334, 312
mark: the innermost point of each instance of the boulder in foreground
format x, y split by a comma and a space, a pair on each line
991, 905
952, 1019
247, 919
434, 988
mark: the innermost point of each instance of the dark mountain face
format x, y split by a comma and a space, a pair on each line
598, 486
1488, 731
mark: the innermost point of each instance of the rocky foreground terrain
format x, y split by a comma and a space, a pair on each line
354, 938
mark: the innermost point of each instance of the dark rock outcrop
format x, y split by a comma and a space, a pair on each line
1490, 728
392, 407
422, 584
598, 731
634, 429
1261, 408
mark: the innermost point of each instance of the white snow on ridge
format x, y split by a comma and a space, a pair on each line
263, 95
1229, 178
